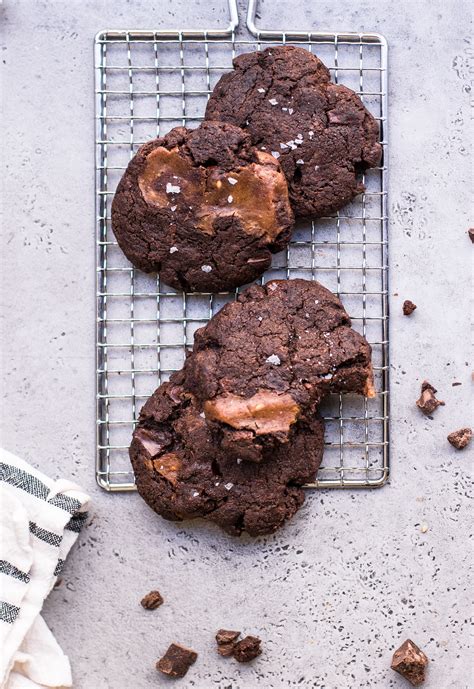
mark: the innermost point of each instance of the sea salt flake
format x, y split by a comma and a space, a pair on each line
259, 318
300, 161
172, 188
230, 198
173, 208
260, 90
231, 180
273, 101
216, 483
206, 269
173, 249
273, 359
316, 301
327, 376
310, 133
272, 286
285, 109
316, 167
299, 136
283, 145
239, 460
228, 486
290, 111
263, 148
195, 494
275, 154
202, 415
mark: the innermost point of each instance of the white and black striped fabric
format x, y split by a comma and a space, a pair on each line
40, 520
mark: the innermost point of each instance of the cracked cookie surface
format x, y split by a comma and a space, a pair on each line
183, 473
203, 208
320, 132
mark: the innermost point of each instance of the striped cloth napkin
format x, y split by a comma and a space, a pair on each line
40, 520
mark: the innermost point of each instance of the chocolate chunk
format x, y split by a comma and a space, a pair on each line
226, 650
427, 401
471, 233
226, 636
459, 439
152, 600
226, 642
176, 661
247, 649
408, 307
410, 662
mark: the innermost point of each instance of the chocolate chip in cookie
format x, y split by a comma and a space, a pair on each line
320, 132
203, 208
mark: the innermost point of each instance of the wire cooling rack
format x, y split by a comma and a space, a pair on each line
150, 81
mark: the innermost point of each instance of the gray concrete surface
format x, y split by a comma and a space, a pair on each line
352, 575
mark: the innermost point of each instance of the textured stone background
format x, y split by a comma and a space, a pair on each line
352, 575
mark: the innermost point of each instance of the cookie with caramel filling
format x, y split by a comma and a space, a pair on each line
203, 208
267, 360
182, 472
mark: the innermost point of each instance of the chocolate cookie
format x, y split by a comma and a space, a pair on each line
266, 360
320, 132
203, 208
182, 473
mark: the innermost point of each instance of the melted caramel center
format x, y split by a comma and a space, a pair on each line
251, 192
264, 412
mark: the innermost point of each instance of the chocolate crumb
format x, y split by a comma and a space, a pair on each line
58, 583
247, 649
176, 661
226, 636
226, 650
427, 401
454, 384
471, 234
459, 439
410, 662
408, 307
152, 600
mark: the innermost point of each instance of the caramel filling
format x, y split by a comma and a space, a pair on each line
168, 466
264, 412
251, 192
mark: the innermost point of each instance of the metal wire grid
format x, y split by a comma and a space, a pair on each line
149, 82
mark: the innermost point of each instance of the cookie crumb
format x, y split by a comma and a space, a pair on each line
226, 641
427, 401
176, 661
410, 662
461, 438
408, 307
471, 234
152, 600
247, 649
